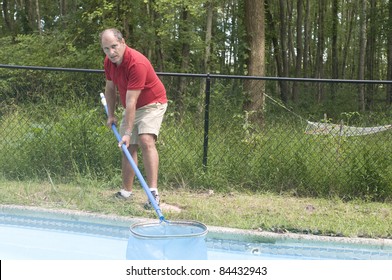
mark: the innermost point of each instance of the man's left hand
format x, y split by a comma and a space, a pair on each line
126, 139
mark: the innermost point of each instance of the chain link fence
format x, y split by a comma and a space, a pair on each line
317, 143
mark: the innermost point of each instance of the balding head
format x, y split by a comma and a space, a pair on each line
111, 32
113, 45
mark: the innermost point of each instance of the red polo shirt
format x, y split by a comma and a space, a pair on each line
136, 73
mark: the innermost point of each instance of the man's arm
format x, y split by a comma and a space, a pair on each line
110, 95
130, 112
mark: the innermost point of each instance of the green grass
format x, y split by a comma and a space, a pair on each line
272, 179
72, 140
237, 209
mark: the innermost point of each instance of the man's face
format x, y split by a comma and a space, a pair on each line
113, 47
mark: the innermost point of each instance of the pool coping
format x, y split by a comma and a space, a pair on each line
214, 230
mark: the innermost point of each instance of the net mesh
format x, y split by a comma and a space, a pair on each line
184, 240
318, 128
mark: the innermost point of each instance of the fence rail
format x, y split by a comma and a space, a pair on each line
52, 124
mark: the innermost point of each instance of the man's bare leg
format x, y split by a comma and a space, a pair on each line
150, 159
128, 174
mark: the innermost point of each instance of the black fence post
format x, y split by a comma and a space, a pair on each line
206, 120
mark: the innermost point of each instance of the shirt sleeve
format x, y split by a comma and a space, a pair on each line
106, 66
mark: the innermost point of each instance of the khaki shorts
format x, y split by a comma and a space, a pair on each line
148, 120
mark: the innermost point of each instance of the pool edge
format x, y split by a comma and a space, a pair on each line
68, 213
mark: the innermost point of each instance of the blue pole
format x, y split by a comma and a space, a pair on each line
133, 164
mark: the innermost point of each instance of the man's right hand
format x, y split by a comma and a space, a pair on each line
110, 121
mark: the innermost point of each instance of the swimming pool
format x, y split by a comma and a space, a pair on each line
38, 234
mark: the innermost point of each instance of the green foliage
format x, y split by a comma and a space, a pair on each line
52, 127
57, 49
58, 142
58, 122
369, 176
70, 142
173, 34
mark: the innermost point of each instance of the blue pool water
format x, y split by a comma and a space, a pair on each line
29, 235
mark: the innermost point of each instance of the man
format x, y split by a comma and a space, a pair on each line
143, 96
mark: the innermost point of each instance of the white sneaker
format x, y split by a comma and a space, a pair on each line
148, 204
120, 195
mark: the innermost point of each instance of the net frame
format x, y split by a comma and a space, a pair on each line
195, 224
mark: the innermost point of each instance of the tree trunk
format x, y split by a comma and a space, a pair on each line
290, 40
32, 14
159, 52
350, 23
207, 52
298, 61
185, 52
38, 14
362, 54
371, 52
320, 50
6, 16
307, 36
254, 23
389, 54
334, 55
283, 49
4, 7
276, 51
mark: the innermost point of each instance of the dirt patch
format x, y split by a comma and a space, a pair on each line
170, 208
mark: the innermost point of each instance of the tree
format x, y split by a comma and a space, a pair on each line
6, 16
185, 56
254, 22
299, 47
283, 34
277, 54
39, 25
349, 12
371, 52
335, 55
389, 54
305, 38
362, 53
209, 21
319, 66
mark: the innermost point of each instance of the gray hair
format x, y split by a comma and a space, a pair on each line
117, 33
